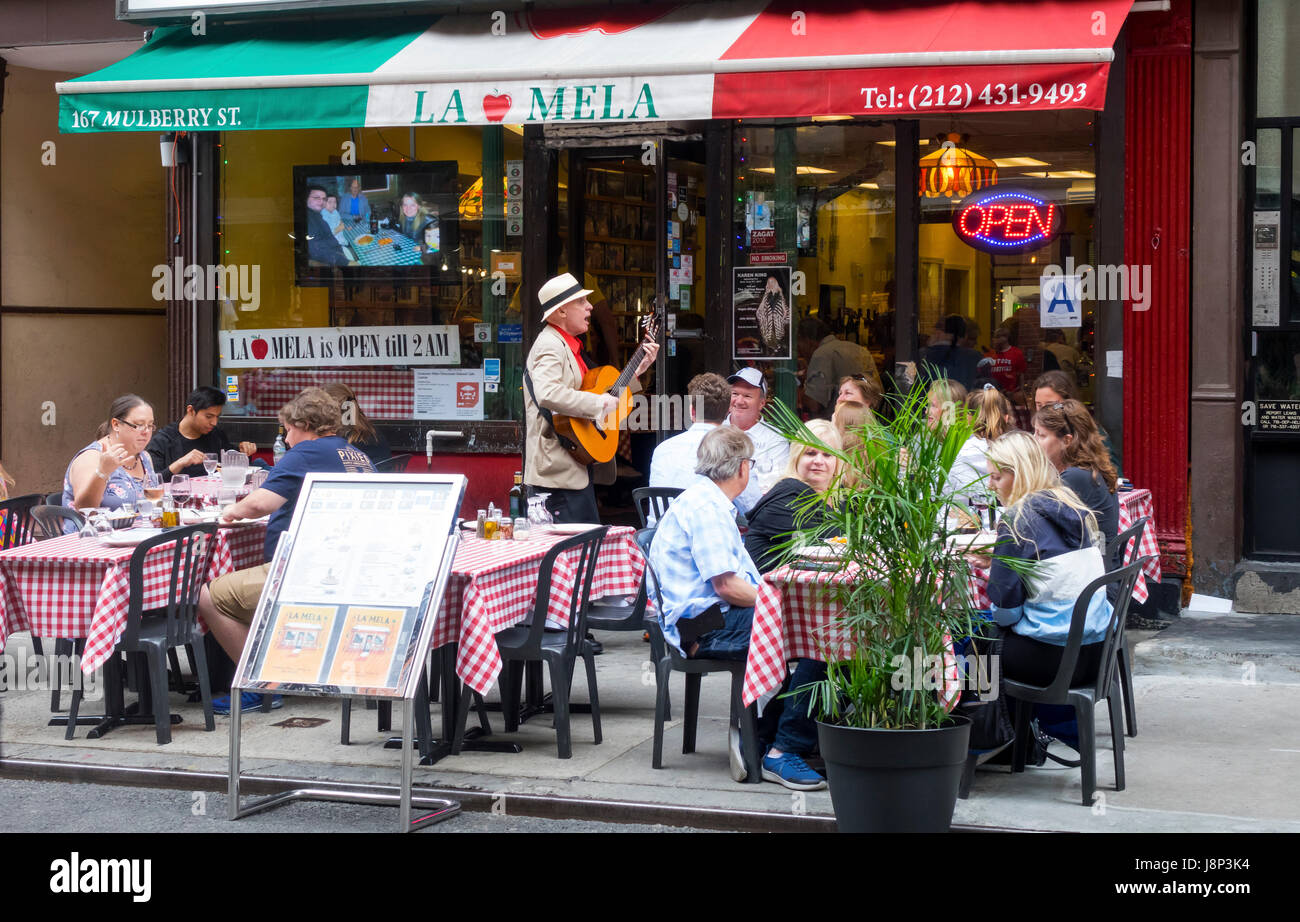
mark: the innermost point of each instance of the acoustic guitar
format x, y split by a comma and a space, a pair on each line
597, 441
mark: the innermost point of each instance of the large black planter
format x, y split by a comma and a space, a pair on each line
894, 780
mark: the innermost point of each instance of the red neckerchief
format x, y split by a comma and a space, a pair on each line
574, 346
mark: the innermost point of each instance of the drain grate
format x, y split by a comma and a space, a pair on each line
294, 723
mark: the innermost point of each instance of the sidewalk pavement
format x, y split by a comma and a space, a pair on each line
1217, 748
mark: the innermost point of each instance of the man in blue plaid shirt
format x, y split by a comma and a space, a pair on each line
709, 586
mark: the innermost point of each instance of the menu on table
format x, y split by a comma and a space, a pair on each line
349, 606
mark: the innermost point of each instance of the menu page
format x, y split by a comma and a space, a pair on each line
358, 586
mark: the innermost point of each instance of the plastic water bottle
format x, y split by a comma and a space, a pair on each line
278, 450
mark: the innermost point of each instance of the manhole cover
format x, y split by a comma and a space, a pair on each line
296, 722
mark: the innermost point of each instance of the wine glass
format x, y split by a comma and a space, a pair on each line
211, 462
181, 490
153, 487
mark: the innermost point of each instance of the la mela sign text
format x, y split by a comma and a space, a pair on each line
582, 103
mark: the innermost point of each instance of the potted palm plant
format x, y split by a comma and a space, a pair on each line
893, 752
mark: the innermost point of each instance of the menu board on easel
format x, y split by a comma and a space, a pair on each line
355, 586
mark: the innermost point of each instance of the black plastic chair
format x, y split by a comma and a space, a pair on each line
657, 498
558, 649
1083, 699
671, 660
54, 499
626, 616
16, 516
50, 521
154, 632
394, 465
1117, 555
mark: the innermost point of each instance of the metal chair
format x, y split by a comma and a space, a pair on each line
155, 631
1082, 698
1117, 555
657, 498
672, 661
558, 649
394, 465
50, 521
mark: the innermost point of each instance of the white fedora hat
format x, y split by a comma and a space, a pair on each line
558, 292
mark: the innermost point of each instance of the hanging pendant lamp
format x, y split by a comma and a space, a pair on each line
954, 171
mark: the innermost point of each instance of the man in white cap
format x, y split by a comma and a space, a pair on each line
553, 378
771, 450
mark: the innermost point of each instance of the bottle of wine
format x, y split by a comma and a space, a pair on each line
278, 450
516, 504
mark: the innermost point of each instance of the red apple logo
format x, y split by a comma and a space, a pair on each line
553, 23
260, 348
495, 107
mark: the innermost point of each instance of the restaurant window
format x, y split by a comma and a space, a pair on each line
395, 273
1004, 200
812, 214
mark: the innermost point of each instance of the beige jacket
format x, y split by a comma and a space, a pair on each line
556, 382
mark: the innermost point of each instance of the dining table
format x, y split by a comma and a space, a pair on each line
492, 586
384, 247
80, 588
796, 616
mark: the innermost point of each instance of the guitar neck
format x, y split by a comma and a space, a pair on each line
629, 372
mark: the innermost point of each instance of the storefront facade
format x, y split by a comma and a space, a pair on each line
675, 199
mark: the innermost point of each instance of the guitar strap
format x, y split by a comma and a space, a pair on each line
566, 443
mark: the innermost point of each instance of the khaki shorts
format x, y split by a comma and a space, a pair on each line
235, 595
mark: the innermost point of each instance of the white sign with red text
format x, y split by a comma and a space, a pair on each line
331, 347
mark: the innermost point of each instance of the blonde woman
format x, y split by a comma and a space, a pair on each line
810, 470
946, 398
1044, 521
5, 483
991, 416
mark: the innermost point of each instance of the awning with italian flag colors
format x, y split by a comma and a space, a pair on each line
666, 61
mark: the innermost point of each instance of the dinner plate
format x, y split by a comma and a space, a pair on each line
571, 528
262, 521
365, 240
820, 552
129, 537
979, 541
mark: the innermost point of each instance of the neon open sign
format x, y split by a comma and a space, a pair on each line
1006, 221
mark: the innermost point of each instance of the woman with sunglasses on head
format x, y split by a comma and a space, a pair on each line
858, 389
113, 470
1069, 437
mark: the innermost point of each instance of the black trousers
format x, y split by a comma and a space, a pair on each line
1035, 663
570, 506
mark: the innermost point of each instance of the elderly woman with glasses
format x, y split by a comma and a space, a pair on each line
114, 469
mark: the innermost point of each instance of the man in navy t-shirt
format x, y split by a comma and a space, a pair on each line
310, 422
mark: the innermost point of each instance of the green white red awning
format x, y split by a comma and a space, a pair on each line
667, 61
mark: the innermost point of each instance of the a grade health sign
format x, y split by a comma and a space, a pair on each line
311, 347
1060, 302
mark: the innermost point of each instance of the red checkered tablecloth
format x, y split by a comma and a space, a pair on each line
384, 393
1133, 505
493, 584
794, 618
69, 587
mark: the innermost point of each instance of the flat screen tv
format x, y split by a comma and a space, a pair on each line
378, 220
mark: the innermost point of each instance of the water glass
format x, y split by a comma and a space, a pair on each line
211, 462
522, 531
181, 490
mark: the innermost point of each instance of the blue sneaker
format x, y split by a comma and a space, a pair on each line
248, 701
793, 772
